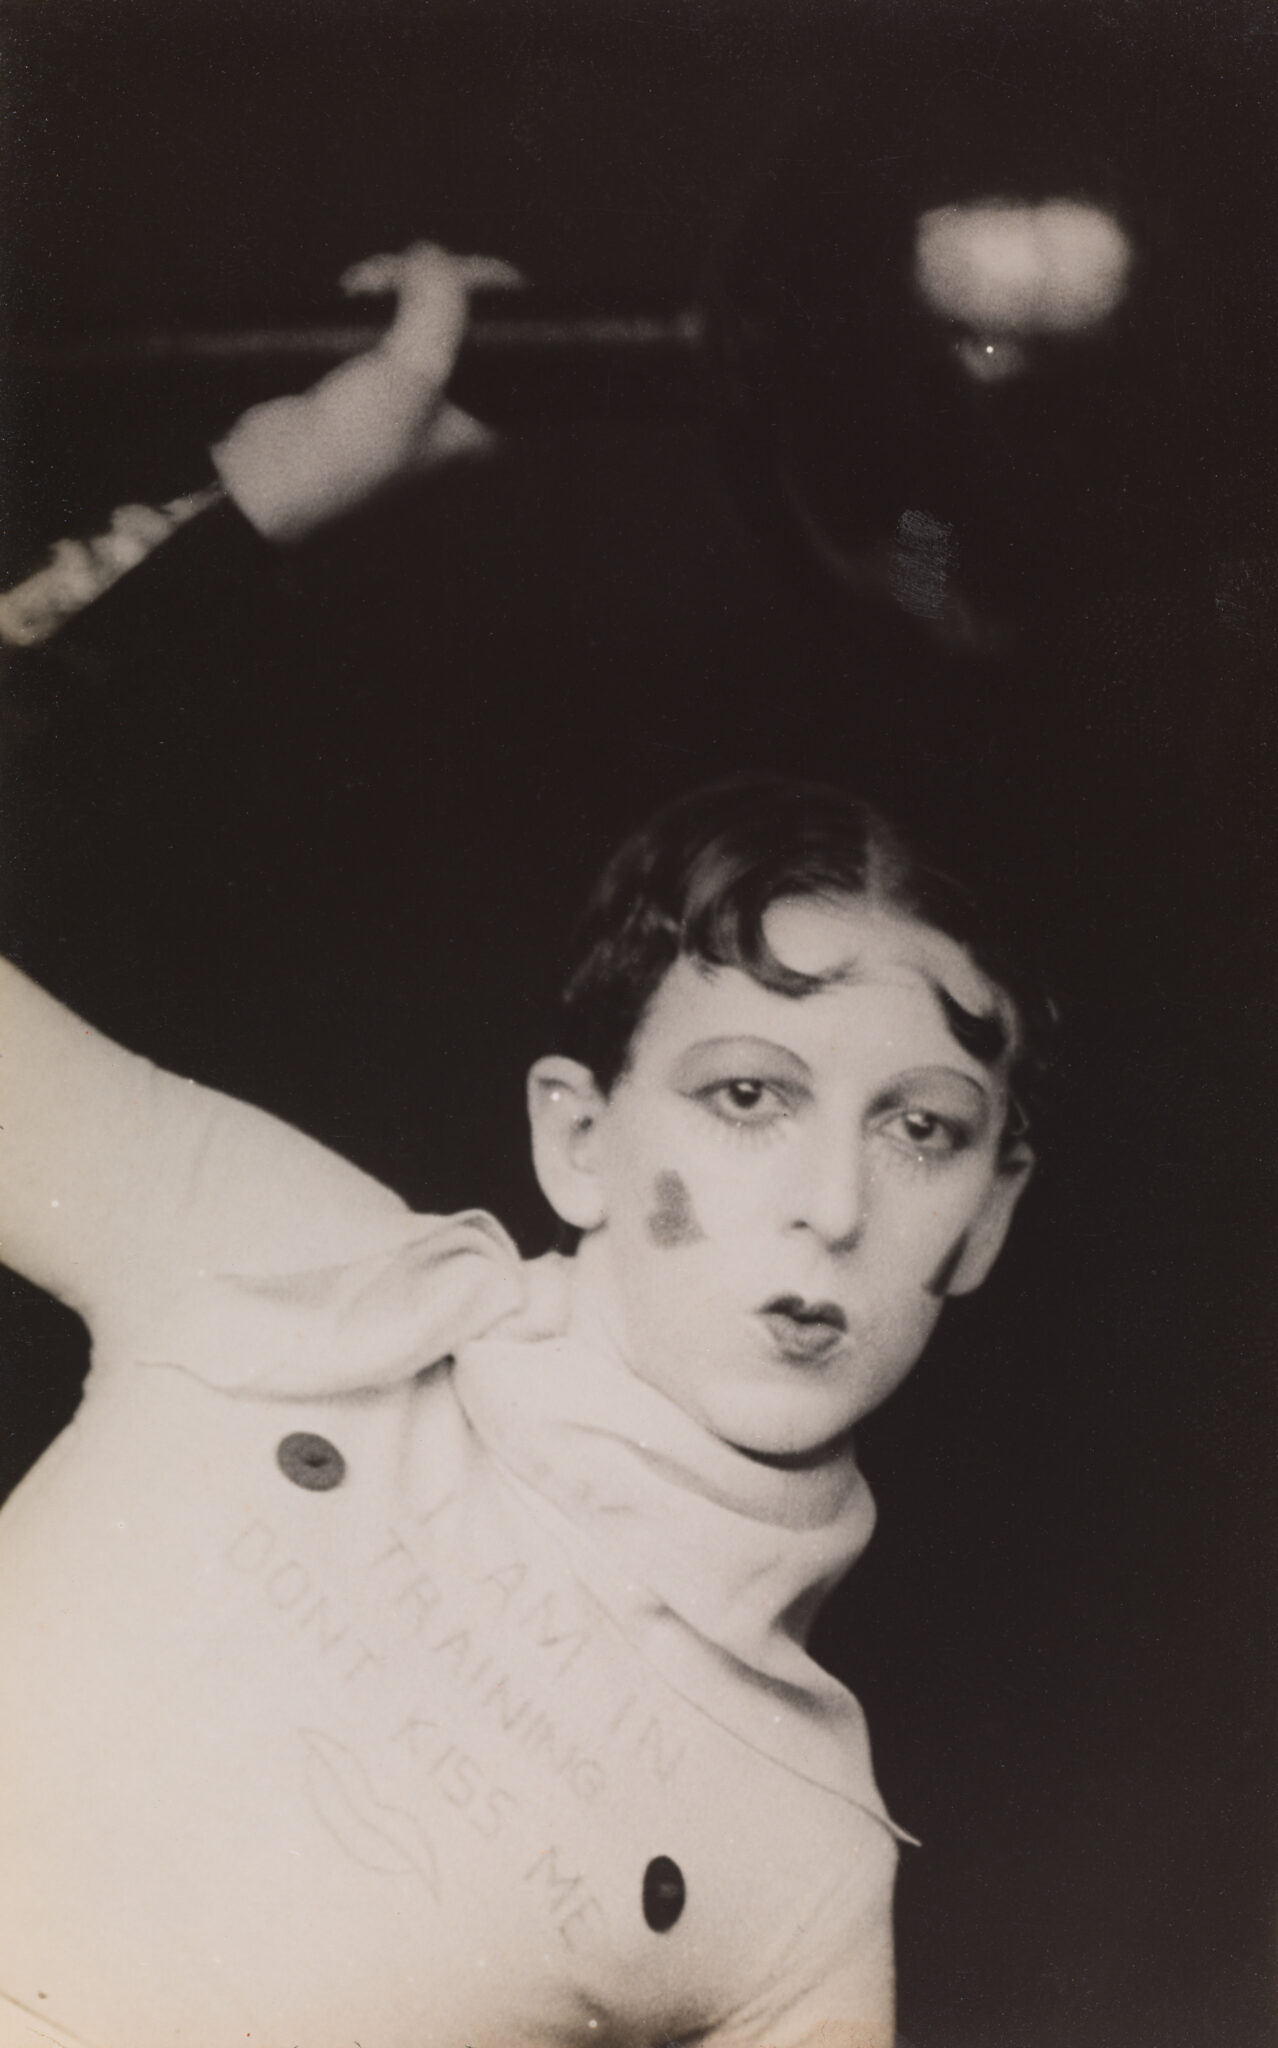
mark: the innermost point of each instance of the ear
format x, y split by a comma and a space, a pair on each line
564, 1108
986, 1235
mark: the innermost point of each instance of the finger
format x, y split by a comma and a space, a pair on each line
398, 269
490, 274
371, 274
453, 436
433, 290
432, 304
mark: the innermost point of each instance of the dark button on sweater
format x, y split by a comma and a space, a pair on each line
311, 1461
664, 1894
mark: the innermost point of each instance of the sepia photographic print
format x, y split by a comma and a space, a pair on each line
637, 654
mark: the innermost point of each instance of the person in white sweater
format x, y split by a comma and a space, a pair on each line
405, 1643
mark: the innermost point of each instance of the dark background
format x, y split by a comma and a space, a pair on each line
315, 837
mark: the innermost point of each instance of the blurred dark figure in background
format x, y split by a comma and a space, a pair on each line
998, 336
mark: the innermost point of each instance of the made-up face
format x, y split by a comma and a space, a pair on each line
779, 1192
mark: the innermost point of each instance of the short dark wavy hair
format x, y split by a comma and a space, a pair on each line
697, 880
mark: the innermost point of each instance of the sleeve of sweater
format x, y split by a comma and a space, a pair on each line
115, 1175
151, 1205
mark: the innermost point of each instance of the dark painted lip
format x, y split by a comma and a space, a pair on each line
806, 1331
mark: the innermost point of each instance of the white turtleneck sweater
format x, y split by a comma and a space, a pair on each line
378, 1662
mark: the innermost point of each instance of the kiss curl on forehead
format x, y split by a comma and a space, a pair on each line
832, 942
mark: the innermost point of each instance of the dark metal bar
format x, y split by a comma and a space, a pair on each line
505, 338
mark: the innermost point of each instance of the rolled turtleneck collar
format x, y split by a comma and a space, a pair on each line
711, 1560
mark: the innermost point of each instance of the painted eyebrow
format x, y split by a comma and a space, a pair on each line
765, 1050
900, 1090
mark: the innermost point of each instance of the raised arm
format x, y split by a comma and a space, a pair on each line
119, 1181
293, 464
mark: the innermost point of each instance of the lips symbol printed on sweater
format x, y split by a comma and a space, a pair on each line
380, 1836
